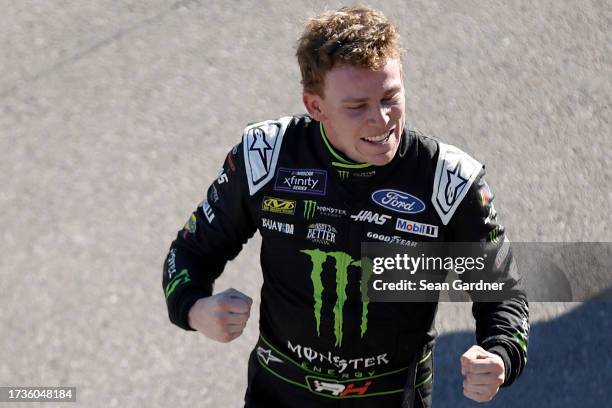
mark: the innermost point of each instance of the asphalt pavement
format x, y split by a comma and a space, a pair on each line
116, 115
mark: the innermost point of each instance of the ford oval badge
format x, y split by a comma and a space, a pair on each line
398, 201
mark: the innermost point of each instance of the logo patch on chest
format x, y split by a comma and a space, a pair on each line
398, 201
302, 181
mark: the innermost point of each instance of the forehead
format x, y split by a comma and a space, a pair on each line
355, 82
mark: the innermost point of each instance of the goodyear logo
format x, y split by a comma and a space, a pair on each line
278, 205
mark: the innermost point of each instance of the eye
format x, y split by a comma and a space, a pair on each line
355, 107
391, 99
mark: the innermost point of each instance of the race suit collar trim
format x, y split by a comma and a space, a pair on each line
344, 163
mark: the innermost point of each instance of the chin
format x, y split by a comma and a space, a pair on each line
380, 160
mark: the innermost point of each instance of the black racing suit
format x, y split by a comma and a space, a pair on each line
321, 344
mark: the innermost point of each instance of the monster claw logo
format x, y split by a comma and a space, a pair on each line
310, 207
343, 262
177, 281
343, 174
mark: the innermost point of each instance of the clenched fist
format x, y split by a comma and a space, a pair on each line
221, 317
483, 374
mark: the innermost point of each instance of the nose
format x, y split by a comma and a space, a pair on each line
379, 116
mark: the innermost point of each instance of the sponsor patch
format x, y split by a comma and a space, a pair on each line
331, 211
503, 252
222, 177
492, 215
343, 174
341, 365
172, 263
395, 239
303, 181
372, 217
398, 201
213, 194
273, 225
455, 173
336, 389
365, 174
178, 280
208, 211
190, 225
311, 207
495, 234
261, 144
416, 228
278, 205
486, 195
321, 234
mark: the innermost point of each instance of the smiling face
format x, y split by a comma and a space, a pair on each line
362, 111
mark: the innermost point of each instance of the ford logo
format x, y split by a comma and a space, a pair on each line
398, 201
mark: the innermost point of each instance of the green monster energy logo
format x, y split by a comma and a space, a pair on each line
522, 341
309, 208
343, 174
179, 279
343, 261
495, 235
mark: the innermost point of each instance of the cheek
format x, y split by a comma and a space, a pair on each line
397, 111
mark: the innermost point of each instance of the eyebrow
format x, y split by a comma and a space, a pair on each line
390, 91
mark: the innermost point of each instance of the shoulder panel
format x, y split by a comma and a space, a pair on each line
261, 144
455, 173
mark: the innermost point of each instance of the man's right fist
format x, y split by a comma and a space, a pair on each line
221, 317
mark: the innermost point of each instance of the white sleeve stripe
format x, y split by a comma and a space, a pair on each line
455, 173
261, 147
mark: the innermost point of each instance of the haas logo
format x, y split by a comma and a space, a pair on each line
369, 216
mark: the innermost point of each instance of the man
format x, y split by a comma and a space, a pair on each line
312, 186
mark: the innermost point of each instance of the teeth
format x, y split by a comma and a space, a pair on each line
378, 138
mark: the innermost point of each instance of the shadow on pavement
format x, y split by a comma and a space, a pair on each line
570, 363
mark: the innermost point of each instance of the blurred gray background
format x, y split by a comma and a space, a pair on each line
115, 116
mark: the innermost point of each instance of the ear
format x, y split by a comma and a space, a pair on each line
312, 102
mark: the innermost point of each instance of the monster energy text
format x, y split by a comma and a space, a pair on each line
341, 364
342, 263
311, 207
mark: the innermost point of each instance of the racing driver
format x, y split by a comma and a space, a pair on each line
316, 186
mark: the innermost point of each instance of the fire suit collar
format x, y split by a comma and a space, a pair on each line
339, 159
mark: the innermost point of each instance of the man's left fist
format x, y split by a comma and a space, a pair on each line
483, 374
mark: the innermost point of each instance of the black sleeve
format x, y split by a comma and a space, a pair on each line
502, 327
213, 235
